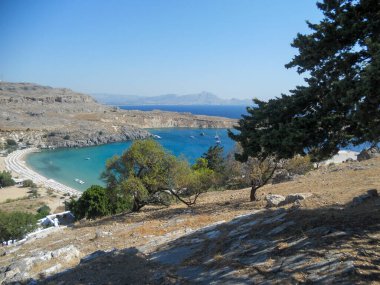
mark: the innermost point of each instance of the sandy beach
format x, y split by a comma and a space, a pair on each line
15, 163
50, 192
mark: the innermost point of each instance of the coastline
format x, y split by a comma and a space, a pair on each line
15, 163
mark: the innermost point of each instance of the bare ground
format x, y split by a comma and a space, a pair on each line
135, 235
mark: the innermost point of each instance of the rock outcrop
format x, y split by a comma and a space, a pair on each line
23, 269
275, 200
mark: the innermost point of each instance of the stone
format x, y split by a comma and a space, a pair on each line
52, 270
281, 228
274, 200
67, 253
291, 198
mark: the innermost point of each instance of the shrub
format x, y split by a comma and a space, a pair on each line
6, 179
16, 225
66, 137
43, 212
93, 203
11, 142
33, 193
28, 183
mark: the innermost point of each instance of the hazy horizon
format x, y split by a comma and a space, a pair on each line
149, 48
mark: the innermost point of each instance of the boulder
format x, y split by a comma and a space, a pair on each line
291, 198
273, 200
279, 200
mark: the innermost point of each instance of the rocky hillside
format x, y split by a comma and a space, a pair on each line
45, 116
328, 232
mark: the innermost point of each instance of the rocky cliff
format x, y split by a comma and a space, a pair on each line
59, 117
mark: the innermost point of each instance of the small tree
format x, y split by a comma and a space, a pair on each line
146, 161
146, 173
6, 179
214, 157
28, 183
16, 225
191, 183
260, 172
93, 203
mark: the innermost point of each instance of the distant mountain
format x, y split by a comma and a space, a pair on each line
203, 98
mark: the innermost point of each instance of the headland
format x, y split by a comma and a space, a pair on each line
42, 116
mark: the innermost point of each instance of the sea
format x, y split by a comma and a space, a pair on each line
68, 165
234, 112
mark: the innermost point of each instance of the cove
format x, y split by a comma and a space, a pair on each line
86, 164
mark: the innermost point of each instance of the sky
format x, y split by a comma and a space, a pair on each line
232, 48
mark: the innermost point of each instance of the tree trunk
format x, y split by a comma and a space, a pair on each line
253, 194
136, 205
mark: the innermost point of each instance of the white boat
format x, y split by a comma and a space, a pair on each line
217, 136
202, 134
79, 181
192, 137
87, 158
218, 141
157, 137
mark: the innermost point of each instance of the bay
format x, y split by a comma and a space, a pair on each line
86, 164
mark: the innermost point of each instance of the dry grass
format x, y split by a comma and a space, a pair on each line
332, 187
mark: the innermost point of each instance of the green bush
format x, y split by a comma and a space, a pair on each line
11, 142
28, 183
16, 225
43, 211
6, 179
93, 203
66, 137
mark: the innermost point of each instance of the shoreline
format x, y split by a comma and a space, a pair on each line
15, 163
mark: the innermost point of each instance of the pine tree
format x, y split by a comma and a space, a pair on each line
340, 103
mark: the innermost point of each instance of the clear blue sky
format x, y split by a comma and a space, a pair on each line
233, 48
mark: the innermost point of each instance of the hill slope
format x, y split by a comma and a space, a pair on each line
324, 239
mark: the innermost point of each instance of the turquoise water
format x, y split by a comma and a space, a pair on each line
65, 165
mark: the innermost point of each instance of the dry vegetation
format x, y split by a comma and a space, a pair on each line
333, 186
